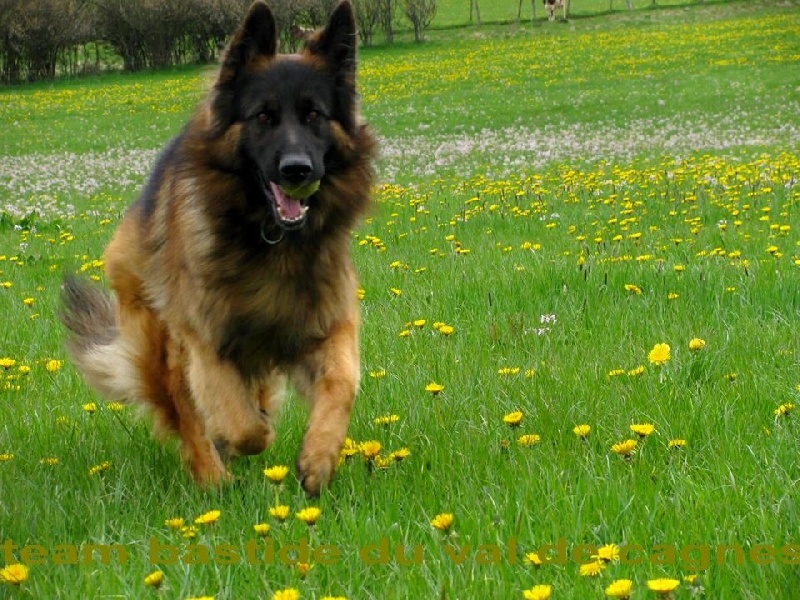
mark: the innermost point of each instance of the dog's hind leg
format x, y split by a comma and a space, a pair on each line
328, 378
197, 448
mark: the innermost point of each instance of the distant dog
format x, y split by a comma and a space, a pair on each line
232, 272
552, 6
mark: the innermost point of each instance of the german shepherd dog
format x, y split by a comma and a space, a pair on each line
226, 284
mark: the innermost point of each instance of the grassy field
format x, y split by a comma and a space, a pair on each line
555, 204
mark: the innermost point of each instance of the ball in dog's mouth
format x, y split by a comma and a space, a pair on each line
289, 203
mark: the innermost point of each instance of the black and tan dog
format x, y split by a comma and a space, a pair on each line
232, 272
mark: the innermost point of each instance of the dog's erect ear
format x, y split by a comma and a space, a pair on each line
337, 42
257, 37
335, 46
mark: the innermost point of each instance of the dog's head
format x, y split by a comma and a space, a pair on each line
292, 116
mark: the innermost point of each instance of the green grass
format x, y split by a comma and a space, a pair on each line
527, 171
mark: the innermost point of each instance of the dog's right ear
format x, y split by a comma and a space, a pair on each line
257, 37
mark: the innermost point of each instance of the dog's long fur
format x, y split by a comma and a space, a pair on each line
219, 298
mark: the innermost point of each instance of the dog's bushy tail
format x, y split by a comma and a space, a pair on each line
93, 340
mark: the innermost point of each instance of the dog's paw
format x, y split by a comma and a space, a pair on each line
253, 440
315, 469
210, 471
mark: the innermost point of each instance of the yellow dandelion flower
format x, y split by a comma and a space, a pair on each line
309, 515
349, 448
14, 574
508, 371
201, 598
513, 419
642, 429
261, 529
625, 448
28, 301
49, 461
7, 363
447, 329
616, 372
529, 439
89, 407
24, 369
303, 569
582, 431
386, 419
663, 586
538, 592
404, 333
396, 292
208, 518
174, 523
280, 512
672, 296
53, 365
608, 553
696, 344
382, 462
420, 323
660, 354
154, 579
334, 598
434, 388
633, 289
621, 588
378, 374
533, 559
103, 466
189, 531
370, 449
784, 410
6, 457
443, 521
677, 443
277, 473
287, 594
592, 569
635, 372
115, 406
400, 454
690, 579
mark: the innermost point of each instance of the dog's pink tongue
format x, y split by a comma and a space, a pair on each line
288, 208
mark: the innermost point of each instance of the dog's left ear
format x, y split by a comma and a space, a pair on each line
337, 42
336, 46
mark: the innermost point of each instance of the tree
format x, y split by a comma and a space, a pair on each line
388, 8
368, 16
473, 6
420, 13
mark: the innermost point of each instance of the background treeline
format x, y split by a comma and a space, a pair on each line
42, 38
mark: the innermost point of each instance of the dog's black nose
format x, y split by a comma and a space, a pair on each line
295, 167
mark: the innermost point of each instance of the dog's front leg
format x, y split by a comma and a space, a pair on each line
228, 404
328, 377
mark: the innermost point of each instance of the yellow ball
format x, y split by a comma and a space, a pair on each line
301, 191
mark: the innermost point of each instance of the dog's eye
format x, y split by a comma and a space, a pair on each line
312, 116
265, 118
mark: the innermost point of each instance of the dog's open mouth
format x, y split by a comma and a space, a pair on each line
290, 205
